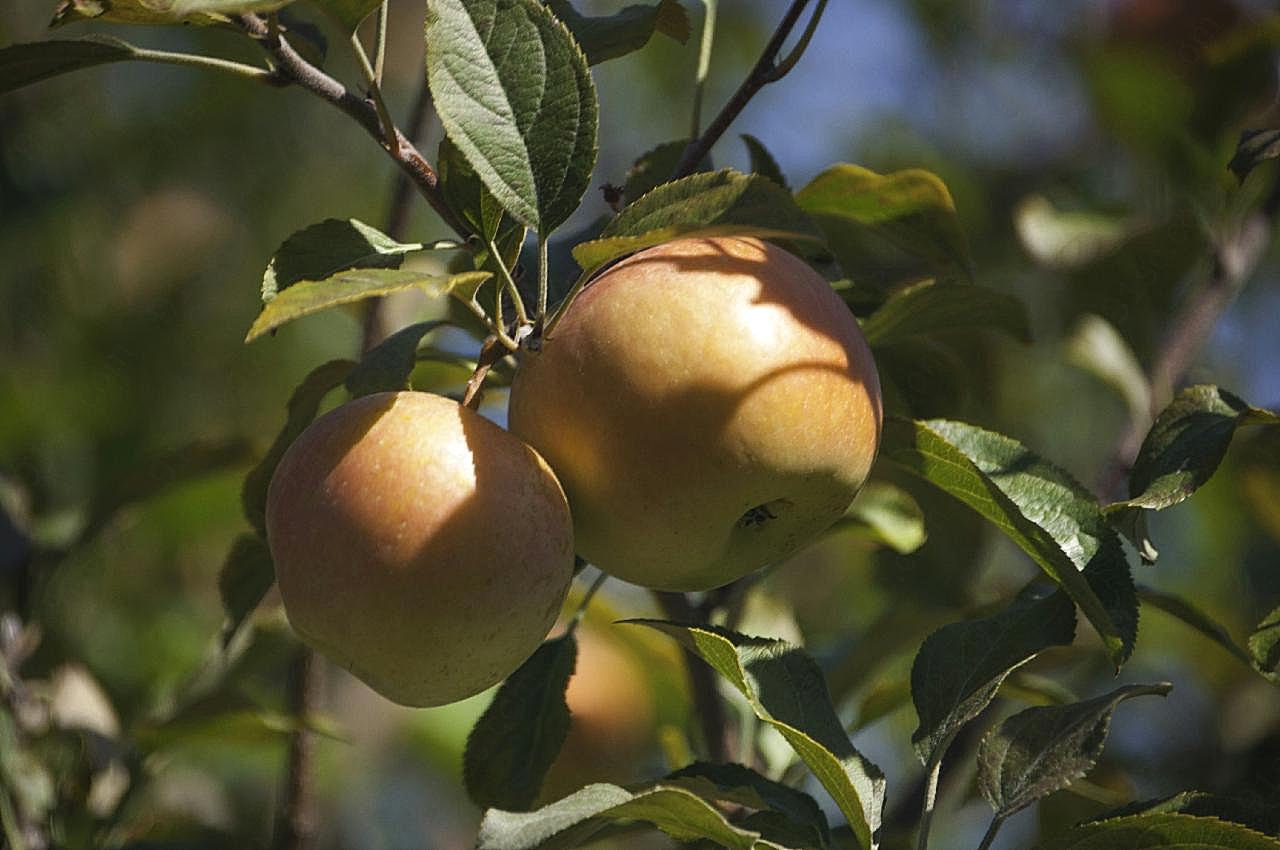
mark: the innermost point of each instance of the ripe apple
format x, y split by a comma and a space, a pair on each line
418, 545
710, 406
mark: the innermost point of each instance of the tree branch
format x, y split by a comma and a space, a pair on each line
295, 815
766, 70
292, 68
1235, 257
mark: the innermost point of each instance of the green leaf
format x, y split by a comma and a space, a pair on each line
1250, 811
387, 366
246, 576
348, 13
1038, 506
1097, 347
514, 93
569, 822
312, 296
1254, 148
720, 203
927, 307
1176, 606
1147, 832
655, 167
606, 37
785, 689
762, 162
734, 783
910, 209
515, 741
303, 407
324, 249
24, 64
465, 192
1043, 749
1066, 240
1264, 646
199, 12
887, 515
1185, 445
961, 666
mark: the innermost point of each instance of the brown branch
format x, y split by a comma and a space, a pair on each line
766, 70
295, 814
292, 68
1235, 258
702, 679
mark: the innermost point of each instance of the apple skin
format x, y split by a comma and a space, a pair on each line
418, 545
709, 405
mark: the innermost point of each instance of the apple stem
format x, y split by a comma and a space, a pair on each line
542, 277
586, 600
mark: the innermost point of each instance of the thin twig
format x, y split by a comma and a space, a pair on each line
1234, 260
292, 68
702, 679
704, 64
375, 91
295, 819
765, 71
990, 835
380, 42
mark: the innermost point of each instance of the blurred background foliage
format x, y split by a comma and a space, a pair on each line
1085, 143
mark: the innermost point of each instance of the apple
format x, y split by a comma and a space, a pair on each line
418, 545
709, 405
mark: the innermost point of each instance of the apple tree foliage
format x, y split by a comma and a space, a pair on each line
776, 759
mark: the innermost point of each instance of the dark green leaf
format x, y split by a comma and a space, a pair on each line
312, 296
741, 785
246, 576
1185, 445
1254, 148
303, 406
348, 13
514, 93
720, 203
329, 247
387, 366
888, 515
520, 734
786, 690
655, 167
1043, 749
465, 192
927, 307
1250, 812
1041, 508
1176, 606
910, 209
606, 37
24, 64
922, 378
1264, 646
961, 666
1148, 832
762, 162
570, 822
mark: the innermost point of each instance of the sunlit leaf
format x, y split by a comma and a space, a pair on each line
1149, 832
1061, 239
513, 91
785, 689
312, 296
888, 515
655, 167
324, 249
927, 307
910, 209
1264, 646
605, 37
720, 203
200, 12
520, 734
348, 13
734, 783
1043, 749
961, 666
1048, 514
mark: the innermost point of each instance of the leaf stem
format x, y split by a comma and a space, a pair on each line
586, 600
371, 77
380, 45
933, 771
704, 64
766, 70
543, 284
508, 283
990, 834
293, 69
564, 304
212, 63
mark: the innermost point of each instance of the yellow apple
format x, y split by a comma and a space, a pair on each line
710, 406
418, 545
